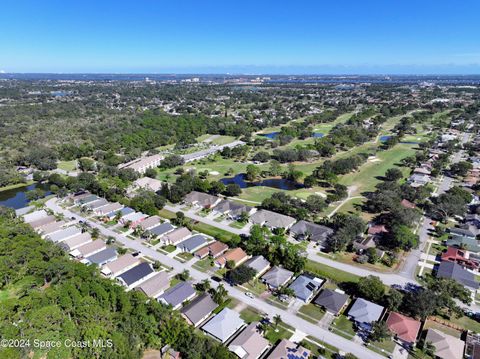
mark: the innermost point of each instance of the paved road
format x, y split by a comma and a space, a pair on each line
387, 278
289, 318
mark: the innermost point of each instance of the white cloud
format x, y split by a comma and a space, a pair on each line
2, 71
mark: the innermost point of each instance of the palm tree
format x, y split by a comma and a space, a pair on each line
276, 321
95, 233
220, 294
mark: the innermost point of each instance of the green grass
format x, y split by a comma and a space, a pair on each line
312, 311
169, 248
274, 336
466, 323
366, 177
166, 214
174, 281
255, 286
250, 314
343, 326
4, 295
17, 185
237, 224
331, 273
185, 256
388, 345
67, 165
203, 265
442, 328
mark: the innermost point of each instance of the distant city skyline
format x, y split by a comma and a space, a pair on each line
251, 37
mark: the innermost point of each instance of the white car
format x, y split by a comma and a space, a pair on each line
250, 295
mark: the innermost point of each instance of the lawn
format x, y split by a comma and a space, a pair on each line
366, 178
255, 286
274, 336
343, 326
166, 214
387, 345
312, 311
466, 323
185, 256
237, 224
442, 328
214, 232
169, 248
203, 265
331, 273
67, 165
4, 294
250, 314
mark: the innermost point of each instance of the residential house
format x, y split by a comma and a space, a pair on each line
88, 249
214, 250
272, 220
446, 346
142, 164
64, 234
125, 211
193, 243
33, 216
224, 325
451, 270
289, 350
176, 236
405, 203
418, 180
161, 229
155, 286
101, 202
304, 230
111, 207
51, 228
462, 257
405, 328
102, 257
178, 294
203, 200
277, 277
75, 242
136, 275
146, 183
42, 222
468, 243
133, 218
120, 265
150, 222
422, 171
232, 210
259, 264
305, 287
464, 232
88, 199
23, 211
199, 309
237, 255
473, 219
249, 344
364, 313
332, 301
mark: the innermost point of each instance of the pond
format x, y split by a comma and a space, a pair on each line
16, 198
271, 135
318, 134
279, 183
385, 138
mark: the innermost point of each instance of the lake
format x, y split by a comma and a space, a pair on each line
318, 134
279, 183
16, 198
271, 135
385, 138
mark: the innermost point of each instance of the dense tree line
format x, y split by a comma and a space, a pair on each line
54, 298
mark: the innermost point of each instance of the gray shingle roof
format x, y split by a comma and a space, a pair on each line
259, 263
199, 308
304, 286
331, 300
136, 273
161, 229
272, 219
224, 324
451, 270
313, 231
193, 243
363, 311
277, 277
103, 257
178, 294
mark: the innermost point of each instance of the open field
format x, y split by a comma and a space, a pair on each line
67, 165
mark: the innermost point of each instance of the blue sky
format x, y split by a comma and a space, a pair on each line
262, 36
